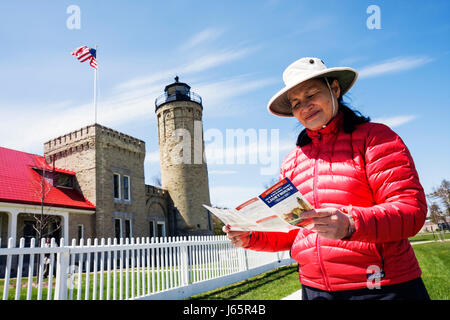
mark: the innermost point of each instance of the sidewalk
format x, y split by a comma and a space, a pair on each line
428, 241
297, 295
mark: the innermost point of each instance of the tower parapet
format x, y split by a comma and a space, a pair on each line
109, 168
84, 138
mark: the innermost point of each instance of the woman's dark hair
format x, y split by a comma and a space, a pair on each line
351, 119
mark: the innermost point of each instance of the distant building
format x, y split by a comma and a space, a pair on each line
94, 183
430, 226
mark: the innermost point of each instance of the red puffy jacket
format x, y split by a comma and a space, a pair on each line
369, 174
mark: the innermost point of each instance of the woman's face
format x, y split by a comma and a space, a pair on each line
311, 103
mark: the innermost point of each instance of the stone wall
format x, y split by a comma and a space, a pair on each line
95, 153
88, 222
183, 169
124, 155
158, 209
76, 151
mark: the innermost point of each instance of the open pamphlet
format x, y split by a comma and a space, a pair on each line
277, 209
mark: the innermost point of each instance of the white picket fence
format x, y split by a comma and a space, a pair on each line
141, 268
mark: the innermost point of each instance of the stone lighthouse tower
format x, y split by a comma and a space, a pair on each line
183, 167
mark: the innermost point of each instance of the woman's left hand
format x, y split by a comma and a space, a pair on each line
330, 223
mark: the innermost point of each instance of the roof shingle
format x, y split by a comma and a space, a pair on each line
21, 183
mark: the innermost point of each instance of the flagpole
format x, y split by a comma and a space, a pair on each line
95, 87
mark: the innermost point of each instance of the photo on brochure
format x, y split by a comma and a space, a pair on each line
277, 209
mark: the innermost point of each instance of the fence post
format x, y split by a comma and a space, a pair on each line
185, 264
7, 270
245, 259
62, 268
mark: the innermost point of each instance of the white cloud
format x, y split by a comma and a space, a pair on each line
250, 152
129, 101
201, 37
218, 95
232, 196
157, 77
393, 65
215, 59
351, 60
38, 123
222, 172
152, 157
191, 66
396, 120
30, 126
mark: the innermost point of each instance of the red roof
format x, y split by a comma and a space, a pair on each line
41, 163
21, 182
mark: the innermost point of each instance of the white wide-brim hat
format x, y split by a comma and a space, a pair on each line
305, 69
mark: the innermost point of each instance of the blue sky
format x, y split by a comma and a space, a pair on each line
232, 53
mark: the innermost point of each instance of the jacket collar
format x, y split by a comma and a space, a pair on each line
307, 135
332, 127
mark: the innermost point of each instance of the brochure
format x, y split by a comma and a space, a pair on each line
279, 209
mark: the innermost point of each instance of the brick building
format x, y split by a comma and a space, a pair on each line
95, 184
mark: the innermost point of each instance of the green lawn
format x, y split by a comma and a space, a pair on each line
429, 236
434, 260
433, 257
272, 285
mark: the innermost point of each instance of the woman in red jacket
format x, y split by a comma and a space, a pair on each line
362, 182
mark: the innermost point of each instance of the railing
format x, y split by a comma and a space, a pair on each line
141, 268
155, 190
177, 96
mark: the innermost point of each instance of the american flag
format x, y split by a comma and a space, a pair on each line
84, 53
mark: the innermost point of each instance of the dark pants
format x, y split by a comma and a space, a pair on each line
411, 290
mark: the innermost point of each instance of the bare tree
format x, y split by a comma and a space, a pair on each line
44, 223
442, 193
440, 205
435, 213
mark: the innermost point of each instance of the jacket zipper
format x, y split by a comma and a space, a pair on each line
316, 202
381, 254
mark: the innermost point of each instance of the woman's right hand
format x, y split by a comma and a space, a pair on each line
238, 238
